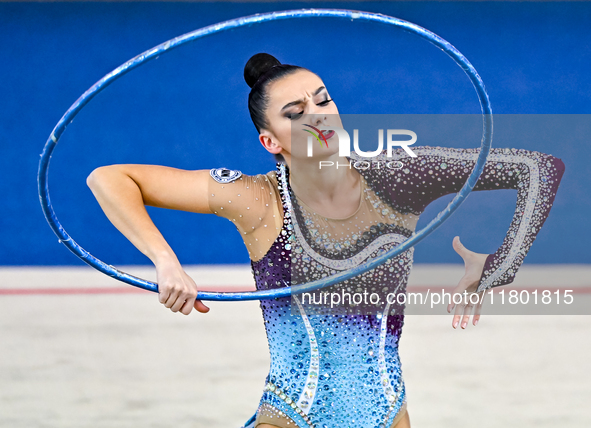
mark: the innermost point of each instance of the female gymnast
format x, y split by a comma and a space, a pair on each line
330, 367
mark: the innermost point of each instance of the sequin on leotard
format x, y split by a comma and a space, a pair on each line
329, 369
333, 370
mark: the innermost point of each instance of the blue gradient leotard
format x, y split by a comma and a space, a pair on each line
341, 368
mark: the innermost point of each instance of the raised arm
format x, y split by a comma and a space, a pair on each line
123, 191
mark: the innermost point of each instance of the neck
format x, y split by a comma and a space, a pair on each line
320, 186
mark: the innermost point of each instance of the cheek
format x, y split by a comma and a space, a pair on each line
288, 132
284, 133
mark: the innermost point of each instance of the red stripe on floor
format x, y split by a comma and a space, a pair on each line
95, 290
131, 289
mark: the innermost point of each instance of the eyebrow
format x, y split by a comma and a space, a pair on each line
316, 92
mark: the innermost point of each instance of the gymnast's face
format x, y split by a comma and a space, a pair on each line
296, 100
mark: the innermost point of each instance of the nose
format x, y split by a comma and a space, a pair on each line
317, 119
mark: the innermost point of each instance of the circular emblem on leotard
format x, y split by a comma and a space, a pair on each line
224, 175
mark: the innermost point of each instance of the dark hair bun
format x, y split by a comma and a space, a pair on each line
258, 65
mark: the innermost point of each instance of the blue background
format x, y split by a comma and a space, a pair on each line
188, 109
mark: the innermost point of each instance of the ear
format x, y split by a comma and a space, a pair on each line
268, 141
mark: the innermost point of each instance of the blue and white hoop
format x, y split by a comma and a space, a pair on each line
240, 22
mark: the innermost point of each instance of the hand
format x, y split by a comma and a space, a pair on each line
474, 264
177, 290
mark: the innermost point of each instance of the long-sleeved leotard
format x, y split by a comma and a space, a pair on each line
341, 368
437, 171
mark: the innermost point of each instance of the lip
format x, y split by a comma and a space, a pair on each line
328, 135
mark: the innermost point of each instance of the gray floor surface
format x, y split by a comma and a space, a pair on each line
120, 359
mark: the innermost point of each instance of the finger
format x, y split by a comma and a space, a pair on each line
466, 317
459, 311
163, 294
478, 308
187, 307
191, 296
456, 320
179, 303
201, 307
451, 306
472, 301
172, 298
459, 247
451, 303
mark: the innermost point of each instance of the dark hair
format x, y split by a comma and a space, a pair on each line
261, 70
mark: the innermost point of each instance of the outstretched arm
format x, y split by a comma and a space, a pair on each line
123, 191
536, 177
437, 171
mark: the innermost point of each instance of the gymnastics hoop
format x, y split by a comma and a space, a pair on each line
162, 48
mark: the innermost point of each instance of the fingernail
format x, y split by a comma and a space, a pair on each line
455, 324
464, 324
476, 322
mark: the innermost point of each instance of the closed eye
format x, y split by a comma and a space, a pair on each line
294, 116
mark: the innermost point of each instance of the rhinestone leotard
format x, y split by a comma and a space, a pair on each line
341, 369
330, 368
